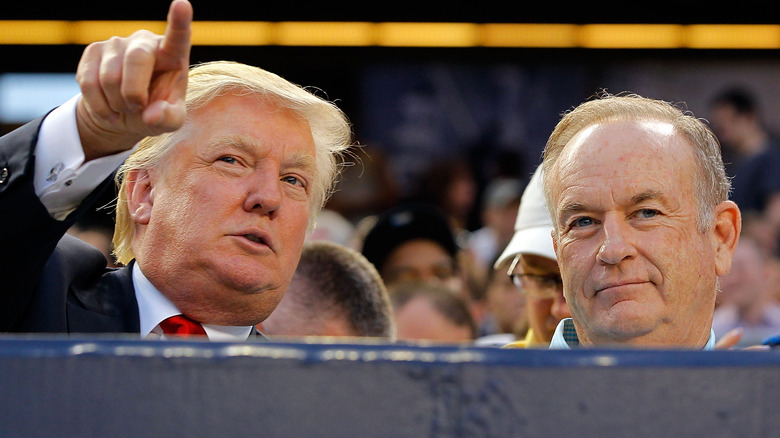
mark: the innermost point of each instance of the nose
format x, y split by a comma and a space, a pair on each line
618, 242
264, 193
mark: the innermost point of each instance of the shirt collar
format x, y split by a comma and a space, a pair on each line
154, 307
565, 337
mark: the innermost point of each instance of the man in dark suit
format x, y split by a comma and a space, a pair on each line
225, 167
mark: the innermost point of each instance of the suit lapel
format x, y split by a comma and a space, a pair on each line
109, 306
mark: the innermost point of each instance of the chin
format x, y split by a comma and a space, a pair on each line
243, 312
625, 333
248, 277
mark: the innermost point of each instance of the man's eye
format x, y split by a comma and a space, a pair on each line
293, 180
582, 222
228, 159
647, 213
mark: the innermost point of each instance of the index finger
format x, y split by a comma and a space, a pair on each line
176, 41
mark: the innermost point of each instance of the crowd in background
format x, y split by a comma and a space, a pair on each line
451, 290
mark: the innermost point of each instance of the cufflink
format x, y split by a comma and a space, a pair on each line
55, 172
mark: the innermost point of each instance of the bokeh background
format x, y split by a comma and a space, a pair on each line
424, 115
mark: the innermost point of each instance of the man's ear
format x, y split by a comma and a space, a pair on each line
725, 235
140, 195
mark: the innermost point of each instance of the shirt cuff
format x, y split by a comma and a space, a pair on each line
62, 180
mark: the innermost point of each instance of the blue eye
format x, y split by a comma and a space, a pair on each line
227, 159
648, 213
292, 180
582, 222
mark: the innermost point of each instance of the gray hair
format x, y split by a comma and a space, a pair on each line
712, 186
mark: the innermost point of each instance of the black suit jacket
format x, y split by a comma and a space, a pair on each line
50, 281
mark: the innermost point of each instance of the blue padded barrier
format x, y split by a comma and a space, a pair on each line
120, 387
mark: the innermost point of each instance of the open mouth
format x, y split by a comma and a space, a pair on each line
256, 239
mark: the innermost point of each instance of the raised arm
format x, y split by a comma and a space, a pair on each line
134, 87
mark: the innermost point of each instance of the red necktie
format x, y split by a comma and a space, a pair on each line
180, 325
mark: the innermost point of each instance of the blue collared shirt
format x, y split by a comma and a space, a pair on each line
565, 337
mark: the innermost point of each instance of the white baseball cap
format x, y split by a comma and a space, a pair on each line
533, 227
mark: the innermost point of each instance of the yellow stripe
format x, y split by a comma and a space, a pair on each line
390, 34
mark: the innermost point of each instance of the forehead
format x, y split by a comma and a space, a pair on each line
250, 117
625, 158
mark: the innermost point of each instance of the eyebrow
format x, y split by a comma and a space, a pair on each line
576, 206
303, 161
247, 145
647, 195
572, 207
238, 142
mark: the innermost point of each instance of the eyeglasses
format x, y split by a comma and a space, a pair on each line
534, 285
538, 286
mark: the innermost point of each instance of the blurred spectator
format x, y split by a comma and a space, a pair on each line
365, 186
414, 242
507, 310
330, 225
534, 266
753, 153
746, 300
761, 228
499, 212
451, 186
430, 312
335, 292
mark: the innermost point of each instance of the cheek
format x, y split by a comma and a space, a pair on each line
539, 309
578, 254
293, 231
678, 258
577, 260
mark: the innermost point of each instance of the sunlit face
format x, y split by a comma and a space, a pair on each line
544, 314
221, 225
636, 270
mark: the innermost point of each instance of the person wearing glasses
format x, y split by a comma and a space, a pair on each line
533, 267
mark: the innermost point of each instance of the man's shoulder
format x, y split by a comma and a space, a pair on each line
75, 258
78, 292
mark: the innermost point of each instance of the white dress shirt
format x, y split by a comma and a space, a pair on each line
62, 180
154, 307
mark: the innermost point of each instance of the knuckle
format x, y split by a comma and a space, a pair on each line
138, 53
87, 81
110, 78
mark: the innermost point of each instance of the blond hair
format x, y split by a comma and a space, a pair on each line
330, 130
712, 186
